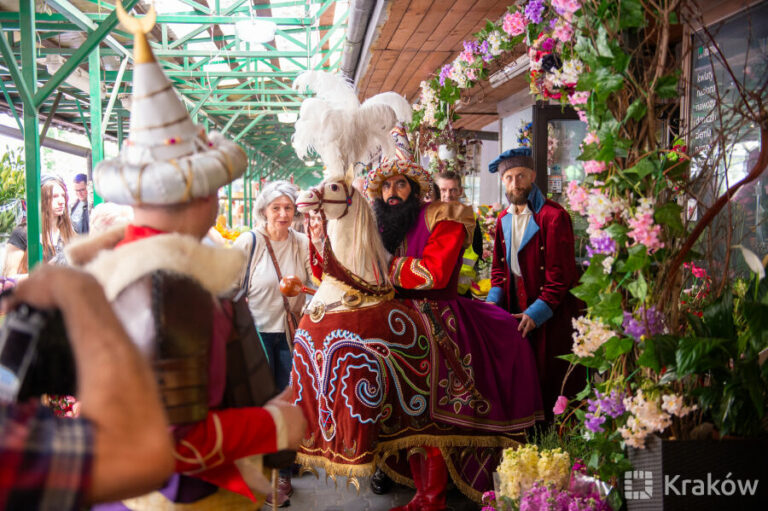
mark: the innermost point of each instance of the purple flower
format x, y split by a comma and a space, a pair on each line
546, 497
602, 245
612, 404
445, 72
603, 404
485, 50
644, 322
489, 495
548, 44
594, 422
533, 10
471, 46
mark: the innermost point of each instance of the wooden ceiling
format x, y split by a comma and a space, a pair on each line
417, 37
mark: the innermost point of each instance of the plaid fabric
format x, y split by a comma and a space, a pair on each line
45, 461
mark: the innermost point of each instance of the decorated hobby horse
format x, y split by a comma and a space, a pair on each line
374, 376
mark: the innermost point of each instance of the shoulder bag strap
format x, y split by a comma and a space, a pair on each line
244, 288
279, 274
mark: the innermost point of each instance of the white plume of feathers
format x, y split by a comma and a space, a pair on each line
334, 125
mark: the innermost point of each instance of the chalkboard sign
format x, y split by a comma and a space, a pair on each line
743, 41
714, 101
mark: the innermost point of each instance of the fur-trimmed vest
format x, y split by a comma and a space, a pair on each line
164, 289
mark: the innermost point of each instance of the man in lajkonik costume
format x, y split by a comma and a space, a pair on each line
381, 382
167, 287
533, 272
485, 381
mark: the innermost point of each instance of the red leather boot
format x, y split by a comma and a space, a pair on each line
434, 481
430, 475
416, 462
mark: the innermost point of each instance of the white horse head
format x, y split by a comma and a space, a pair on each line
351, 231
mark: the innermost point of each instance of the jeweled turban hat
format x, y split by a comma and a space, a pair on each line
166, 159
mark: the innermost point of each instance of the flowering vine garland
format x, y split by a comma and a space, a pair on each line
633, 330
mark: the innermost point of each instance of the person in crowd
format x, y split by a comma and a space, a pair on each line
79, 210
119, 446
275, 250
451, 190
171, 293
427, 240
533, 271
56, 228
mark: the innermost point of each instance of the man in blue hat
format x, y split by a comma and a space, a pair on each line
533, 271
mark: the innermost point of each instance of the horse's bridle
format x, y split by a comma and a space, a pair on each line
333, 266
321, 196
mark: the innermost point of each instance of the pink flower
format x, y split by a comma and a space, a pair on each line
591, 138
582, 116
594, 166
643, 230
467, 57
579, 98
563, 32
471, 74
514, 24
560, 405
566, 6
577, 197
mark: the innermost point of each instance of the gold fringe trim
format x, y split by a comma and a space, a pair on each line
385, 449
336, 469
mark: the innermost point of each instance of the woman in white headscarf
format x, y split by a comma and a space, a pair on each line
275, 248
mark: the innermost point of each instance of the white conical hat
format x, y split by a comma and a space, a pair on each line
166, 159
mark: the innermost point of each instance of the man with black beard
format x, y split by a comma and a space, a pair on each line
533, 271
396, 216
494, 393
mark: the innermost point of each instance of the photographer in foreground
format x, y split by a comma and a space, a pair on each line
120, 445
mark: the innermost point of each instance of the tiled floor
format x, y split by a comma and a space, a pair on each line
317, 494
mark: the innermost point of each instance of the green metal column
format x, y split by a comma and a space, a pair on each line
229, 205
250, 192
119, 130
31, 132
97, 141
246, 184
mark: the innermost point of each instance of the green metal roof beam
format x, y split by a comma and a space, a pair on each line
324, 8
43, 27
235, 7
330, 53
77, 17
202, 100
160, 52
333, 29
290, 38
13, 68
181, 18
188, 37
208, 57
197, 6
82, 119
11, 104
231, 122
93, 40
242, 92
248, 128
306, 54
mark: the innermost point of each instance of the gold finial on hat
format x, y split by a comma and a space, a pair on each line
139, 27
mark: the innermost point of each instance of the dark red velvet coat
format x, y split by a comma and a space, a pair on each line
548, 272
